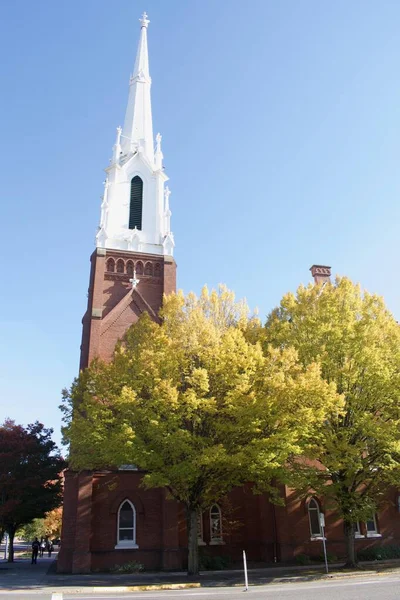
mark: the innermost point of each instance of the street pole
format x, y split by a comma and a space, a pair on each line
246, 581
5, 546
322, 523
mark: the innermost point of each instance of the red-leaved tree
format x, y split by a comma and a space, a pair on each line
30, 476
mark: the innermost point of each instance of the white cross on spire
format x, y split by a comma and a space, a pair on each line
144, 20
135, 282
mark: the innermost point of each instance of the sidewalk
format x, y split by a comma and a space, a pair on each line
22, 575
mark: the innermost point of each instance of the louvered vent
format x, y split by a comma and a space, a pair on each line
135, 209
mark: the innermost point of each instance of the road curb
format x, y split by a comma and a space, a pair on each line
127, 588
149, 587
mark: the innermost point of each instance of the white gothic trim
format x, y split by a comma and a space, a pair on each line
123, 533
215, 525
314, 519
371, 527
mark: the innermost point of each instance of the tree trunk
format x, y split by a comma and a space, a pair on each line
193, 546
11, 535
351, 556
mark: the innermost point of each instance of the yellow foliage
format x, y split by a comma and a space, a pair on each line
196, 403
355, 341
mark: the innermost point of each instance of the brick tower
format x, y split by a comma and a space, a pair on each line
131, 268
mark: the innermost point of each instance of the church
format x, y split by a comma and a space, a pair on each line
108, 518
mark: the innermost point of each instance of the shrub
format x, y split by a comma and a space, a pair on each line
214, 563
129, 567
331, 558
303, 559
379, 553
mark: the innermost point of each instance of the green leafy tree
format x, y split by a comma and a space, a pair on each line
30, 476
356, 342
196, 404
35, 528
47, 527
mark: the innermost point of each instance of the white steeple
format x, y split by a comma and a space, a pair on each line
135, 212
138, 125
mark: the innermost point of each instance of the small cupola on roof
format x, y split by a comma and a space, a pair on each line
135, 212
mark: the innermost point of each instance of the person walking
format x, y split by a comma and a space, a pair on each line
49, 548
35, 550
42, 547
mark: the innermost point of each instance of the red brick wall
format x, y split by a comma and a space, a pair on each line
89, 528
92, 544
294, 528
64, 562
106, 291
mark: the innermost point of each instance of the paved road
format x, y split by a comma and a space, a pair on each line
380, 587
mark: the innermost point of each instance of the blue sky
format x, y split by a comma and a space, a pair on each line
281, 129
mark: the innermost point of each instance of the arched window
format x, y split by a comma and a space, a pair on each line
120, 266
126, 527
372, 527
157, 270
139, 268
148, 270
111, 265
313, 517
129, 268
136, 203
215, 525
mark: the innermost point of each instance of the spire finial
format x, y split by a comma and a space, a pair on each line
144, 21
138, 125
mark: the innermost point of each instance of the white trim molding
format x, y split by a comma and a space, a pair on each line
127, 543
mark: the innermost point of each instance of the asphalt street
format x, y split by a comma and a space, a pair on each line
379, 587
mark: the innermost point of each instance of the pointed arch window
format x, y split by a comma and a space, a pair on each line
157, 270
136, 203
126, 526
371, 527
314, 519
129, 268
111, 265
120, 266
215, 525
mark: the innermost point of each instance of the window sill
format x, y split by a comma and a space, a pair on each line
130, 546
217, 543
201, 543
374, 535
317, 538
359, 536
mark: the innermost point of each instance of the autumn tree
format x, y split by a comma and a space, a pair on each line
196, 404
30, 476
52, 522
355, 340
48, 526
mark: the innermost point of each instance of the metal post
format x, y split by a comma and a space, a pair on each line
246, 581
322, 522
6, 546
